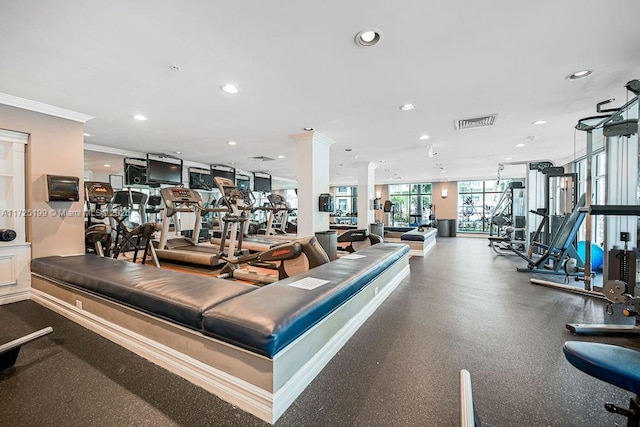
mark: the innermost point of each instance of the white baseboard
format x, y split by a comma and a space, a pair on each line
15, 297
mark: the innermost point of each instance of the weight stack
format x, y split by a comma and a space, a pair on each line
617, 270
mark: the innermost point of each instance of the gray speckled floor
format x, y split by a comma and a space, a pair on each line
461, 307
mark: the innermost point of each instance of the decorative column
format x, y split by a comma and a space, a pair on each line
313, 180
366, 194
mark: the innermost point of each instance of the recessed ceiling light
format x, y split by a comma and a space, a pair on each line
408, 107
368, 37
229, 88
521, 144
508, 158
178, 152
106, 165
281, 156
231, 143
232, 163
424, 136
87, 134
539, 122
308, 129
383, 161
139, 117
579, 75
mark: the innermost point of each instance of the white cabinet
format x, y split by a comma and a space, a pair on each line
15, 256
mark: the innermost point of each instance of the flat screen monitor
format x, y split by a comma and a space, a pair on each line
164, 172
200, 179
135, 171
262, 182
223, 172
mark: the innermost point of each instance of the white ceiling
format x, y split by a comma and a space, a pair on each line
297, 65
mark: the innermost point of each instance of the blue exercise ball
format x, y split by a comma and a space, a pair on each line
597, 254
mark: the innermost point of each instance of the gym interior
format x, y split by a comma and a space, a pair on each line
224, 214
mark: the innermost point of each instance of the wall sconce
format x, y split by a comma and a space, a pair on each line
444, 193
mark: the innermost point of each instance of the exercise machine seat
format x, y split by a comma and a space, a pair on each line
163, 293
613, 364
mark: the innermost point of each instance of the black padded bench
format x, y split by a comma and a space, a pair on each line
268, 319
171, 295
257, 348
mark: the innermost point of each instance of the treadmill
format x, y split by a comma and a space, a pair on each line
240, 204
184, 249
279, 205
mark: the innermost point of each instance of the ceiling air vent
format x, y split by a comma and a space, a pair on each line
262, 158
476, 122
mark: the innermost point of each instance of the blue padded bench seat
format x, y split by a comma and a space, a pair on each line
268, 319
416, 235
614, 364
172, 295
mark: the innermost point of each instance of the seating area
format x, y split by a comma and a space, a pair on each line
420, 241
221, 334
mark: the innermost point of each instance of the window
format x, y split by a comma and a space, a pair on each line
476, 200
346, 205
411, 204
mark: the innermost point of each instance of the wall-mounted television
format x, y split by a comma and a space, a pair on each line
200, 179
243, 182
262, 182
135, 171
63, 188
223, 172
166, 171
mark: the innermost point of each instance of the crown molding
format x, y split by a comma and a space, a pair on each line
39, 107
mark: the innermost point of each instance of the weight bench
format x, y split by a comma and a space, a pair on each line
9, 351
613, 364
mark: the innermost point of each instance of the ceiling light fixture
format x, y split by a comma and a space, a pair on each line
508, 158
178, 152
281, 156
579, 75
308, 129
232, 163
539, 122
521, 144
383, 161
87, 134
231, 143
139, 117
424, 136
368, 37
408, 107
174, 68
106, 165
229, 88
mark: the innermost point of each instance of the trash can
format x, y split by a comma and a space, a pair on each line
443, 228
329, 242
453, 227
377, 229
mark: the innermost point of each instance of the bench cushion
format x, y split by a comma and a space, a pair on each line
176, 296
268, 319
614, 364
417, 236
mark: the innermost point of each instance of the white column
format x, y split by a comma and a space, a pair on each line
313, 180
366, 194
